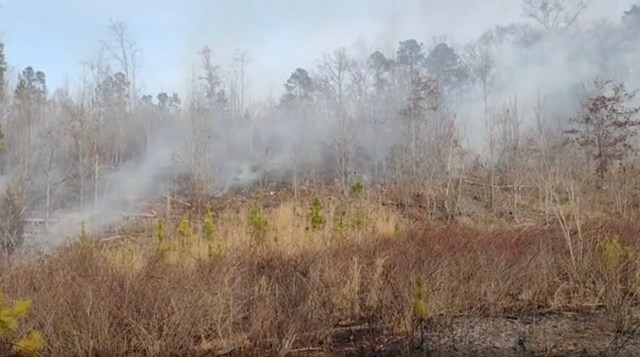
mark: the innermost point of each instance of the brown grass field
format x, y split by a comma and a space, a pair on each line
365, 275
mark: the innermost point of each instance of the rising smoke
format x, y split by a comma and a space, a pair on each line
351, 123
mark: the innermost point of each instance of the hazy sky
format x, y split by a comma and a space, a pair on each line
54, 36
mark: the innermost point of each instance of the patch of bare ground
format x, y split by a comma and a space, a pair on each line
545, 333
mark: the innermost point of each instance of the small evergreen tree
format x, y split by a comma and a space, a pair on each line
10, 316
316, 218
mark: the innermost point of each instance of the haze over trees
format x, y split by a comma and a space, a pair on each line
488, 112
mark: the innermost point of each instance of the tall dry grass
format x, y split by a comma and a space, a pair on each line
289, 285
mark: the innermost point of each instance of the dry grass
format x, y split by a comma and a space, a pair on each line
289, 286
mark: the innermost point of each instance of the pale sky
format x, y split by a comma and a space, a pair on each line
54, 36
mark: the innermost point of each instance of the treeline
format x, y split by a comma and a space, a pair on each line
425, 116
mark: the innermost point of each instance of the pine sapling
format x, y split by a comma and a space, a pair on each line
208, 226
259, 222
10, 316
162, 247
420, 310
316, 218
185, 230
357, 189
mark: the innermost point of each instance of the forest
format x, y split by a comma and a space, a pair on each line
379, 199
494, 111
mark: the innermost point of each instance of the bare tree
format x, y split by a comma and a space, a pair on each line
211, 83
423, 99
52, 136
479, 58
12, 211
3, 107
333, 83
449, 156
240, 62
96, 118
539, 151
361, 90
124, 50
510, 153
76, 125
202, 110
554, 15
607, 125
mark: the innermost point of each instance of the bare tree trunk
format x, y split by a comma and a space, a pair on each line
450, 149
47, 173
545, 175
81, 175
96, 172
117, 146
414, 149
294, 179
48, 202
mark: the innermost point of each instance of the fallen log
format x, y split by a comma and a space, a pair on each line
140, 215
